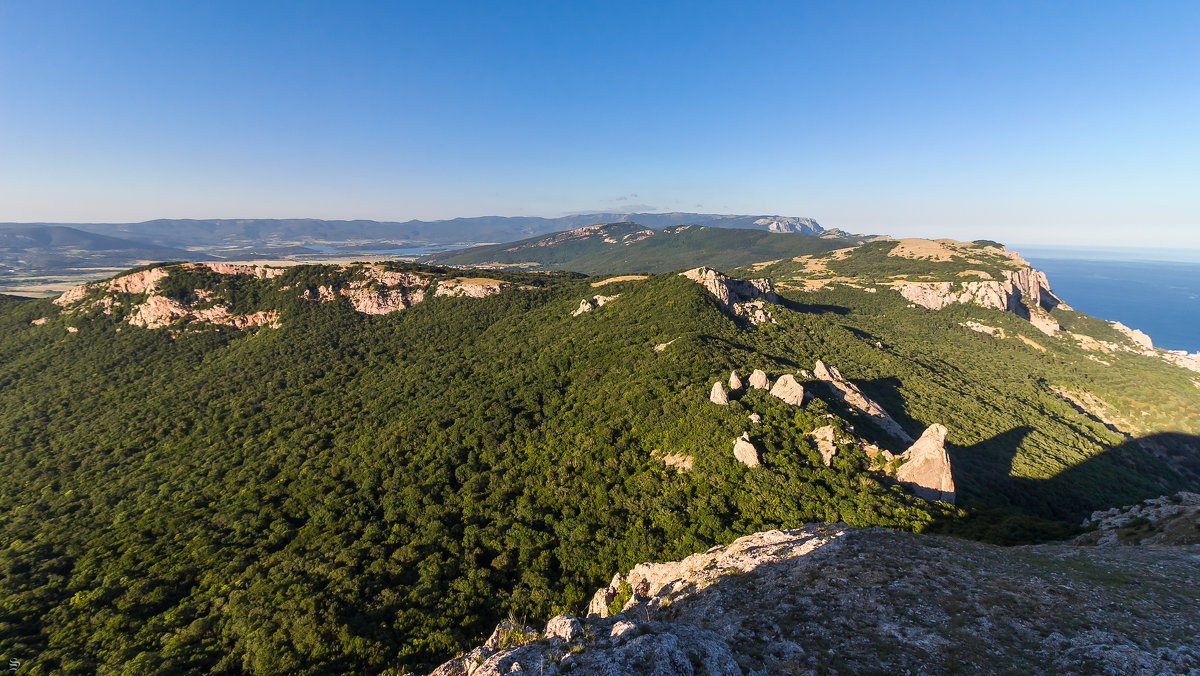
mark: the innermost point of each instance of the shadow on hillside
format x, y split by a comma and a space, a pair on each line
1123, 474
812, 308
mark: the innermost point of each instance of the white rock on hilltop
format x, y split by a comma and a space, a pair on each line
788, 390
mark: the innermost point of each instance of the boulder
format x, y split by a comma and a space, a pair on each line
758, 380
755, 418
718, 396
565, 627
788, 390
926, 471
745, 451
735, 383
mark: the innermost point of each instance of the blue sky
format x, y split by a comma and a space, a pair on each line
1035, 122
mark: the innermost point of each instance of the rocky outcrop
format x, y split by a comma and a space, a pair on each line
984, 328
852, 396
717, 394
475, 287
755, 311
587, 305
787, 390
833, 599
1166, 520
1026, 283
1139, 338
737, 295
789, 224
744, 451
735, 383
678, 461
754, 418
926, 471
758, 380
826, 438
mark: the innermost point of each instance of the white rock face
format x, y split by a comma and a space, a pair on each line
735, 383
755, 418
717, 395
745, 451
587, 305
788, 390
758, 380
737, 296
927, 471
1139, 338
825, 437
849, 393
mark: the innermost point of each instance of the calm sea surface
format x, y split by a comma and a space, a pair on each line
1160, 297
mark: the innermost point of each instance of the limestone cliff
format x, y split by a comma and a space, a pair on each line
139, 299
1024, 292
737, 296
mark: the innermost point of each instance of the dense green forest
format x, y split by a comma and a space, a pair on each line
352, 493
630, 247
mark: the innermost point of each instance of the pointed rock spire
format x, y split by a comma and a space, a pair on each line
788, 390
735, 383
927, 471
718, 396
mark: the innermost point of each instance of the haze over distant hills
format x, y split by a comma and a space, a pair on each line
632, 247
268, 233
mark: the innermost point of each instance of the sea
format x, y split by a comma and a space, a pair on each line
1154, 290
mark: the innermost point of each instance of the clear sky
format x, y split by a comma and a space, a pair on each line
1049, 122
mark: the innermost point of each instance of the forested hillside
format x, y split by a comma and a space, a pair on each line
363, 483
630, 247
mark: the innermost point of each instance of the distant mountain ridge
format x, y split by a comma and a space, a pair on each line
626, 246
292, 231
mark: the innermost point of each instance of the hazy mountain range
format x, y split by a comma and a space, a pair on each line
286, 232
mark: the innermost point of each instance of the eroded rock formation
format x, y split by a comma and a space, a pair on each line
744, 451
758, 380
926, 471
788, 390
1026, 283
826, 438
737, 296
849, 393
735, 383
717, 394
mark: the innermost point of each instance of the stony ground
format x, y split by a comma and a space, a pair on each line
838, 600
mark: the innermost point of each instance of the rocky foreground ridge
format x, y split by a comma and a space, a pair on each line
833, 599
